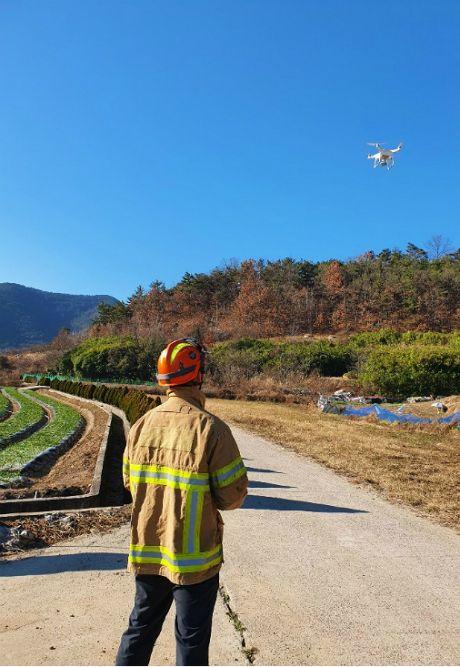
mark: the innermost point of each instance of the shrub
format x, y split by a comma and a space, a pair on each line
243, 358
248, 357
372, 338
404, 370
322, 357
112, 358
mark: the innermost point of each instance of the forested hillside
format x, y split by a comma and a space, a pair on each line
401, 290
29, 316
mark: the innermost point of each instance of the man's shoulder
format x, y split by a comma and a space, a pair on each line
216, 423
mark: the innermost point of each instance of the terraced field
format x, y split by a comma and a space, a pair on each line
64, 422
29, 414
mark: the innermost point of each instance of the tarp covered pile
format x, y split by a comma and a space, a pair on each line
388, 416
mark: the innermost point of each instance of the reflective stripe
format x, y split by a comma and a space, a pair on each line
192, 519
176, 374
172, 471
177, 349
188, 502
173, 555
228, 473
193, 514
166, 479
178, 479
193, 562
197, 527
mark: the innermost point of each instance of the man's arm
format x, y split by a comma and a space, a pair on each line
126, 468
228, 477
133, 436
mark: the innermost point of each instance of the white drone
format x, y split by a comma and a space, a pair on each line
384, 156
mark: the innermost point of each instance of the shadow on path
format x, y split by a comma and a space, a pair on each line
267, 485
79, 562
285, 504
249, 469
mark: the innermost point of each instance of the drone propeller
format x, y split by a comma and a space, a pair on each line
373, 143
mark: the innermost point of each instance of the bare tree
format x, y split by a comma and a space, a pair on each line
439, 246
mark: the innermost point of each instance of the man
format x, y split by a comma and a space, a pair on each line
181, 466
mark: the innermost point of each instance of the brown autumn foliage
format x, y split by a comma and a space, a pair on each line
392, 289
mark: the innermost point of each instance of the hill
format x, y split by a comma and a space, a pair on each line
30, 316
406, 290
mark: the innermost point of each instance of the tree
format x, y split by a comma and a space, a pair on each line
439, 246
416, 253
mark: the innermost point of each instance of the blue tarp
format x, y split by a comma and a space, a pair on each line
388, 416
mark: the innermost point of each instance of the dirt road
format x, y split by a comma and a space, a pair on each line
318, 570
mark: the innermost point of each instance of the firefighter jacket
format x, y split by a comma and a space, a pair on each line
181, 465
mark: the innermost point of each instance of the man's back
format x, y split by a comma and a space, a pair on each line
181, 465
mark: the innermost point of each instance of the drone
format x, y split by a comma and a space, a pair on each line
384, 156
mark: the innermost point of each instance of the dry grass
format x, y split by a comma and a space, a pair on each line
46, 533
417, 466
287, 388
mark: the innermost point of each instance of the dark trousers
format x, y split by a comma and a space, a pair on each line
194, 609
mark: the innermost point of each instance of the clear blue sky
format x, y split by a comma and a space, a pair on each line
143, 139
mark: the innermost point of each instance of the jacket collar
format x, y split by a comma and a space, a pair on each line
190, 394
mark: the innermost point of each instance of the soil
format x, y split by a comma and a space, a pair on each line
74, 469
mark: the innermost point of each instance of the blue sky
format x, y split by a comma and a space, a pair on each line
140, 140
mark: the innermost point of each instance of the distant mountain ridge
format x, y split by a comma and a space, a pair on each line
29, 316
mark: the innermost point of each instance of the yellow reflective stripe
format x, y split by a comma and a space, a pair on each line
186, 534
173, 554
171, 471
176, 562
177, 349
229, 473
173, 484
197, 531
229, 466
175, 568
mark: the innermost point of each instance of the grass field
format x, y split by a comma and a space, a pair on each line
28, 414
14, 456
418, 466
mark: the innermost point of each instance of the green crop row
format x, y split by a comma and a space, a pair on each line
16, 455
29, 413
133, 402
4, 405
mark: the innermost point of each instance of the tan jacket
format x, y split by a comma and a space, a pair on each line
181, 465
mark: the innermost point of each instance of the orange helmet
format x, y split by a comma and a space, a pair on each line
181, 362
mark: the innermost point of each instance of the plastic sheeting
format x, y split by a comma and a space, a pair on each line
386, 415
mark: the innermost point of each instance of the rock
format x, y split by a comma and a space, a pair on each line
52, 518
26, 536
67, 520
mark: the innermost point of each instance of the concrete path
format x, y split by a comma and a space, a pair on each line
319, 572
323, 572
69, 606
